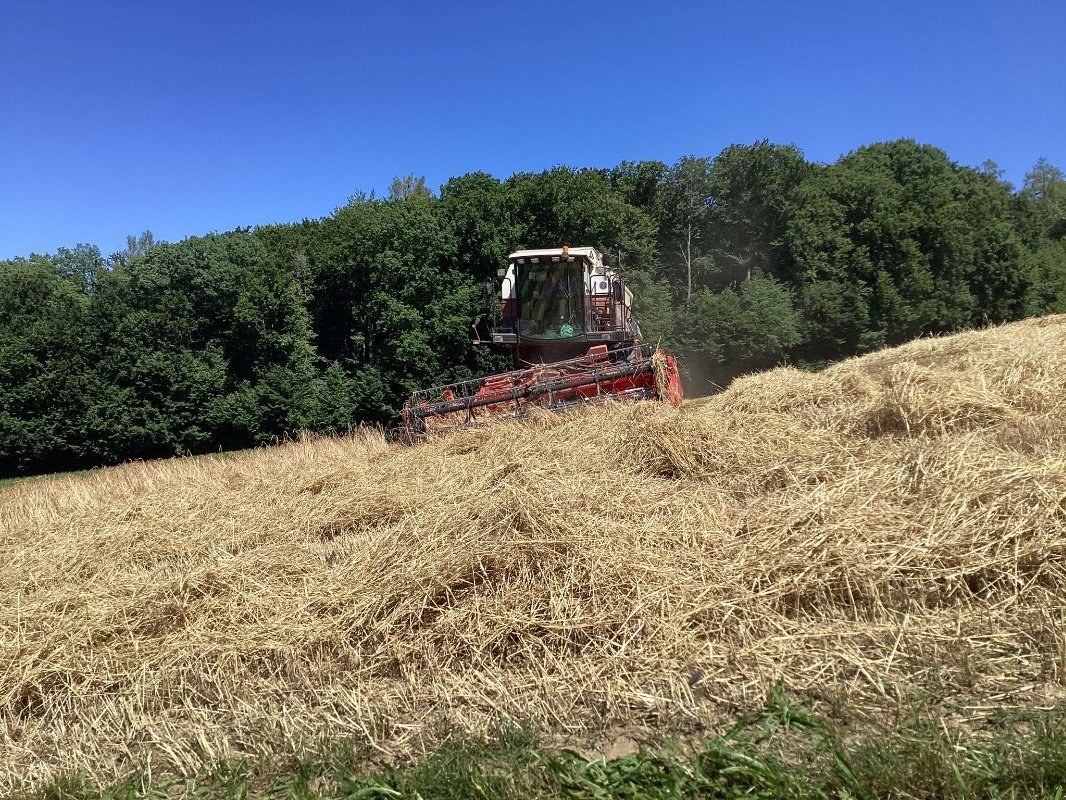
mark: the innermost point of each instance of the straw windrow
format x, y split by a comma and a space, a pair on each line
894, 523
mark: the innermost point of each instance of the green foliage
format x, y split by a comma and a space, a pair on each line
564, 206
683, 211
752, 258
751, 191
1046, 268
733, 331
408, 186
476, 210
1043, 214
44, 372
653, 306
895, 241
640, 183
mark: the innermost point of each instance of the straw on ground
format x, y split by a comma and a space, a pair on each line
893, 524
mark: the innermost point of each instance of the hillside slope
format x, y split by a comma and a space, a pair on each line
896, 523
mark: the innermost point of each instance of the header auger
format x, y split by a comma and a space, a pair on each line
567, 319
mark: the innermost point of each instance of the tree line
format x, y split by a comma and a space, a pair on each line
749, 259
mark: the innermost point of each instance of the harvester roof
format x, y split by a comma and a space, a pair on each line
589, 253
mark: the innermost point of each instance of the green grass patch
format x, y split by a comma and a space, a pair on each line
784, 751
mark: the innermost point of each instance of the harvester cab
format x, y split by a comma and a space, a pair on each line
566, 318
555, 304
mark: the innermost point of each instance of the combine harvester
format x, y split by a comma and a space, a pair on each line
567, 320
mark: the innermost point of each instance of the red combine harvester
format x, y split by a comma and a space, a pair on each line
567, 319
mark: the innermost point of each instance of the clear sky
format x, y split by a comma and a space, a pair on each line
186, 117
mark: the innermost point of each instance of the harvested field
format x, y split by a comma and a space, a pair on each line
892, 525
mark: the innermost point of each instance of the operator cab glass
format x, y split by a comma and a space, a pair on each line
551, 298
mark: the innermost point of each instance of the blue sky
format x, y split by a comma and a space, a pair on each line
188, 117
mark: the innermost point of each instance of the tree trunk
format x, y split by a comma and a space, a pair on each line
688, 258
